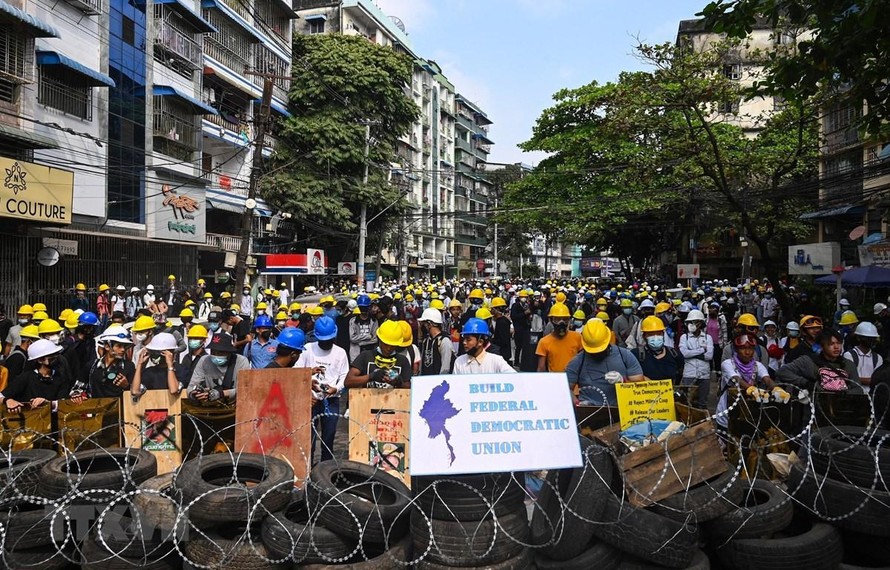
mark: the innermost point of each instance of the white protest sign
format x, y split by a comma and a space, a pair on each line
489, 423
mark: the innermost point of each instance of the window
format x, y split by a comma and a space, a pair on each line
779, 103
785, 38
128, 33
9, 91
729, 107
733, 71
177, 130
316, 26
16, 56
66, 92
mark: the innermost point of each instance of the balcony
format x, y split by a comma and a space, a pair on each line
466, 239
471, 218
840, 140
237, 62
177, 136
463, 144
223, 242
240, 7
179, 44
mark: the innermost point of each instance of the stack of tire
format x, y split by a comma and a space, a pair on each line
471, 521
844, 480
54, 507
350, 514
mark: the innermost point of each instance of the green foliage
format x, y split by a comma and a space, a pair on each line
340, 83
644, 156
846, 51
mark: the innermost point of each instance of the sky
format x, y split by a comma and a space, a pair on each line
511, 56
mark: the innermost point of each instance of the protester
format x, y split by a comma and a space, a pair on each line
600, 366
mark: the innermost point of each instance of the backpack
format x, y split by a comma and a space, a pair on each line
855, 357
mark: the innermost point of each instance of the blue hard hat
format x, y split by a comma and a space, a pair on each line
476, 326
263, 321
88, 318
363, 301
292, 337
325, 328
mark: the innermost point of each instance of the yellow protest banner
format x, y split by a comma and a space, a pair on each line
651, 400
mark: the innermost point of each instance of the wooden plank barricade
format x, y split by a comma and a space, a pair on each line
273, 416
154, 423
379, 429
94, 423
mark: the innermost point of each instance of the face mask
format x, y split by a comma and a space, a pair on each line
219, 360
794, 334
692, 327
326, 344
246, 291
655, 342
561, 328
154, 359
295, 316
23, 321
140, 337
195, 343
214, 326
266, 335
55, 339
280, 324
628, 311
476, 302
261, 312
578, 324
187, 321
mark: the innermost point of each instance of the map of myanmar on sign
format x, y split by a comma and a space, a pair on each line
492, 423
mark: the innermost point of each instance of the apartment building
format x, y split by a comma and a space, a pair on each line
473, 189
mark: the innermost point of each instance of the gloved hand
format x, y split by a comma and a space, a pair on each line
780, 395
378, 375
214, 395
803, 396
613, 377
751, 391
762, 396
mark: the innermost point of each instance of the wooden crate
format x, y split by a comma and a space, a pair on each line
378, 429
662, 469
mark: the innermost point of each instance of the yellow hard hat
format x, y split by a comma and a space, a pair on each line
498, 302
30, 331
201, 282
579, 314
810, 321
483, 313
435, 295
281, 316
39, 307
63, 316
662, 307
560, 297
49, 326
595, 336
316, 311
748, 320
80, 287
848, 318
170, 277
197, 331
294, 307
407, 333
104, 287
356, 311
208, 295
225, 295
390, 332
559, 310
39, 316
189, 303
523, 293
397, 297
186, 313
454, 303
603, 316
143, 323
71, 321
235, 307
652, 324
409, 298
438, 304
477, 294
25, 310
626, 303
261, 306
601, 301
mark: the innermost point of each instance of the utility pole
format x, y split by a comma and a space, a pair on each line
496, 266
260, 123
363, 217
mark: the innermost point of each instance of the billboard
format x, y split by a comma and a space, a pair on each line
813, 258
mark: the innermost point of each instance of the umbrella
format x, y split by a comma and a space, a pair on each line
871, 276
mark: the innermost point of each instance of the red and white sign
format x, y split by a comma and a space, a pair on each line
317, 262
346, 268
296, 263
687, 271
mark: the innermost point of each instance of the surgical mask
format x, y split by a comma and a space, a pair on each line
655, 342
476, 302
246, 291
140, 337
214, 326
155, 359
793, 334
23, 321
280, 324
219, 360
627, 311
692, 327
295, 315
578, 324
261, 312
55, 339
195, 343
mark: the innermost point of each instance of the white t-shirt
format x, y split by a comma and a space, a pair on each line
729, 377
487, 364
334, 361
867, 363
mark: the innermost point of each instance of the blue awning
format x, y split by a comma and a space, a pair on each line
848, 210
38, 28
199, 107
315, 17
93, 77
231, 202
187, 12
275, 106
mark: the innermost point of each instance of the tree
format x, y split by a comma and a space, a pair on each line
653, 143
513, 240
341, 85
848, 51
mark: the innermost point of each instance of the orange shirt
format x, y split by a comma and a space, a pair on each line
559, 351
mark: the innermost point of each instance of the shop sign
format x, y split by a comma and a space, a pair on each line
813, 258
316, 261
64, 246
877, 254
177, 213
346, 268
34, 192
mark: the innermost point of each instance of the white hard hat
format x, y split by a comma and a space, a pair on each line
115, 333
792, 326
695, 315
880, 307
647, 304
162, 341
769, 323
41, 348
844, 303
351, 304
150, 287
431, 315
134, 289
867, 329
120, 288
